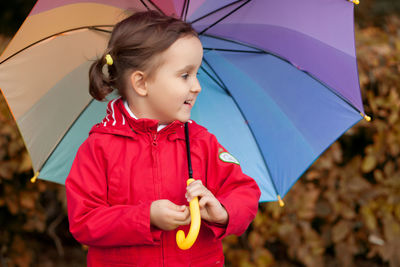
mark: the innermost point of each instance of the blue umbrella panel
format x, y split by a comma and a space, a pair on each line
275, 118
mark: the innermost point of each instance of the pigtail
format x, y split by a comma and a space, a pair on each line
99, 83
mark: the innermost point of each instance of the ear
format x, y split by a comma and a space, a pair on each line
138, 83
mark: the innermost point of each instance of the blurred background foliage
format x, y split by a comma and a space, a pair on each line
344, 211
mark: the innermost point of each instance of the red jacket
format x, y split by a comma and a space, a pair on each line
125, 165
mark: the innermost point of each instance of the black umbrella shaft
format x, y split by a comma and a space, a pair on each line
189, 159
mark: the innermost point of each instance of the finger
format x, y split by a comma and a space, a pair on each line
196, 183
209, 201
187, 221
181, 208
184, 221
186, 212
172, 206
179, 216
194, 186
197, 191
204, 201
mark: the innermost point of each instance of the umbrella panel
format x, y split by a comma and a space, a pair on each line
293, 117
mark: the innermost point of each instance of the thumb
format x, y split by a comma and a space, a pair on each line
175, 207
204, 201
181, 208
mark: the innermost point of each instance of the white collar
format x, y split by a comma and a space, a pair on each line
159, 128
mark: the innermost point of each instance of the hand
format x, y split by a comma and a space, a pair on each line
211, 209
168, 216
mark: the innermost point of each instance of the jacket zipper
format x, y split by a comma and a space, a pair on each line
156, 172
155, 140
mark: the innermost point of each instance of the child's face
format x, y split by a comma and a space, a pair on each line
174, 89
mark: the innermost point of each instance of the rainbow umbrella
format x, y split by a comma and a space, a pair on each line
279, 78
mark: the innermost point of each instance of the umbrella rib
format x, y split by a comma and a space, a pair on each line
224, 17
215, 11
332, 91
183, 8
60, 140
187, 8
215, 80
43, 39
248, 125
159, 9
98, 29
144, 4
234, 50
240, 43
220, 83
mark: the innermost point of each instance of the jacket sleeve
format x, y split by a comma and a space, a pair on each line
92, 220
236, 191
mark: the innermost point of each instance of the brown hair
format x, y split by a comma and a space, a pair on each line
135, 44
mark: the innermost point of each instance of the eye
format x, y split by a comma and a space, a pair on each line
185, 76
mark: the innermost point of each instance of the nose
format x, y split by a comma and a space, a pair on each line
196, 88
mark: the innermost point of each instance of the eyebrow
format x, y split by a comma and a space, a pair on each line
188, 67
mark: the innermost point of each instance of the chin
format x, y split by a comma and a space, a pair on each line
184, 119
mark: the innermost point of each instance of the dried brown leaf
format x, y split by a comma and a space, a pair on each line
344, 256
369, 217
25, 162
28, 199
323, 209
341, 230
11, 199
255, 240
264, 258
357, 184
368, 164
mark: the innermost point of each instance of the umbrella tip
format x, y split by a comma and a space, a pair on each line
354, 1
366, 117
281, 203
33, 179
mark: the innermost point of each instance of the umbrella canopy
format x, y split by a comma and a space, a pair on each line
279, 78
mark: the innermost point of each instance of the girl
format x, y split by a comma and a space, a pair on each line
126, 191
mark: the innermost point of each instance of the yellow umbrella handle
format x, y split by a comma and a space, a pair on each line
186, 243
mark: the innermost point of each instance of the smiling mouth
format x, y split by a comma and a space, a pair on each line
188, 102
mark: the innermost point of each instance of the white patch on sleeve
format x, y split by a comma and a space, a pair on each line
226, 157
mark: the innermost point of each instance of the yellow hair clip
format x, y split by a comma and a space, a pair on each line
109, 60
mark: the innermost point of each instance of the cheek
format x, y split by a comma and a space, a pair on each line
170, 99
172, 92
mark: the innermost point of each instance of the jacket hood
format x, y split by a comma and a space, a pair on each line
119, 122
